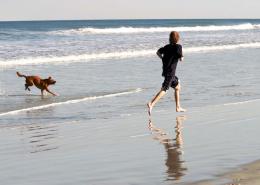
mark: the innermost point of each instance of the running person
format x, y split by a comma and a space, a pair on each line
170, 55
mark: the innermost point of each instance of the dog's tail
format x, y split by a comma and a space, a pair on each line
20, 75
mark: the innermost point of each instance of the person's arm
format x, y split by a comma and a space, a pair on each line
159, 54
179, 52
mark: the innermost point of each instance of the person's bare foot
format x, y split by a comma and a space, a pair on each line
179, 109
149, 105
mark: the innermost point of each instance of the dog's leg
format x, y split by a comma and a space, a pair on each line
28, 83
27, 87
42, 92
50, 92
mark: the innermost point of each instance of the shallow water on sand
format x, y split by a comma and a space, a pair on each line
124, 86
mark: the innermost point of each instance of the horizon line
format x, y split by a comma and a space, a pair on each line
119, 19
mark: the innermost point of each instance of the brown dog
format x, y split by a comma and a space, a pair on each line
38, 82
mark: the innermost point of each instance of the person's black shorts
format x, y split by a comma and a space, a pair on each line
170, 81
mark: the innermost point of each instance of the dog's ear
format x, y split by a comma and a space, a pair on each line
49, 77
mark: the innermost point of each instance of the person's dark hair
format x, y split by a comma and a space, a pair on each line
174, 37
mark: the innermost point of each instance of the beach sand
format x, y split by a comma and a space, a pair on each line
206, 145
248, 174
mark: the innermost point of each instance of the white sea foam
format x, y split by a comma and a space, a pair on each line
242, 102
74, 58
222, 47
70, 102
133, 30
140, 135
124, 54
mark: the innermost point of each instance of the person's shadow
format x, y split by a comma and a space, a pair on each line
173, 149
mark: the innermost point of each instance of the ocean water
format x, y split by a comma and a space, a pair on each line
103, 58
108, 69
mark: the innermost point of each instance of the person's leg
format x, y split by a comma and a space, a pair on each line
157, 97
165, 86
177, 98
177, 87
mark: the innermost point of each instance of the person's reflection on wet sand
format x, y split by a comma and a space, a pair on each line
175, 169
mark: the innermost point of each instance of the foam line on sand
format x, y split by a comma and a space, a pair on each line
70, 102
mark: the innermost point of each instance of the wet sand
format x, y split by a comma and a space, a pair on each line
196, 147
248, 174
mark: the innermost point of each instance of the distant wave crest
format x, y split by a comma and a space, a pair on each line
74, 58
70, 102
56, 60
222, 47
133, 30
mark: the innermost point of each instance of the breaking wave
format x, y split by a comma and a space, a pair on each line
134, 30
125, 54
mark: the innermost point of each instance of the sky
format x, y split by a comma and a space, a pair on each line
127, 9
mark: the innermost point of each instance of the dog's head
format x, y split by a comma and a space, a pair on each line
50, 81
